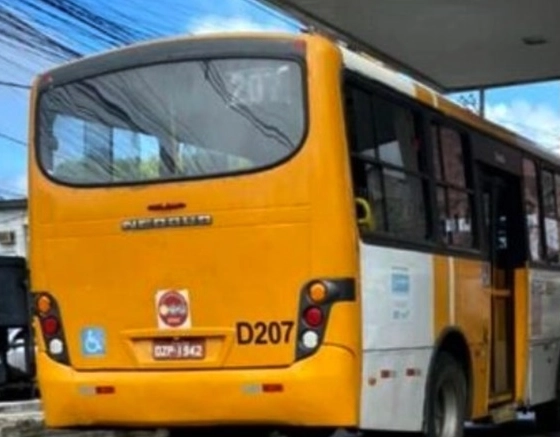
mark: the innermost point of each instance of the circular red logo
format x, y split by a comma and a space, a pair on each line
173, 309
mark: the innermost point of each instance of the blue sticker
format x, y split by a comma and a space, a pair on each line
93, 341
400, 283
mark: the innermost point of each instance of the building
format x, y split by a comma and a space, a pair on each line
13, 227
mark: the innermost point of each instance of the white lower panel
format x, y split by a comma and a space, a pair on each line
544, 339
545, 305
395, 403
397, 298
543, 365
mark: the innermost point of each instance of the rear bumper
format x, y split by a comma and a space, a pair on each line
322, 390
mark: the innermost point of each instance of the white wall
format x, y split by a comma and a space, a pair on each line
14, 219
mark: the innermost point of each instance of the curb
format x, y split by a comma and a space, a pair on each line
20, 407
30, 424
25, 419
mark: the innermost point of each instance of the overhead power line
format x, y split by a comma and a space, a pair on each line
12, 139
14, 85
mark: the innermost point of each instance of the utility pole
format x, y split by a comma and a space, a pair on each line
482, 102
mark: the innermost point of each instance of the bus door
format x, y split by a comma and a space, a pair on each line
502, 233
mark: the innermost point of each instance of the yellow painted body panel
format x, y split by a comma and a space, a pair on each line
441, 295
521, 327
466, 308
272, 232
472, 308
316, 392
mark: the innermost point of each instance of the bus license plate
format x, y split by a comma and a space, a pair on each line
179, 349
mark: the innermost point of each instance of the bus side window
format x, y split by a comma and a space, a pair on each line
532, 209
454, 193
550, 215
387, 165
557, 198
365, 175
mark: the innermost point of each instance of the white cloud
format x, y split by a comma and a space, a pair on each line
217, 23
539, 122
20, 184
13, 187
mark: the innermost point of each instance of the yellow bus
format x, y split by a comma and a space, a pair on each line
274, 230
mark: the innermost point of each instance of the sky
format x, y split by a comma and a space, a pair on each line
532, 110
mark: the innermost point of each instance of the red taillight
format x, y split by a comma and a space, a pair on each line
105, 390
272, 388
313, 316
50, 325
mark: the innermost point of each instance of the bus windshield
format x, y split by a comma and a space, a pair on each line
177, 120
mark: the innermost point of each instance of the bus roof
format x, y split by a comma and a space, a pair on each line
359, 62
376, 70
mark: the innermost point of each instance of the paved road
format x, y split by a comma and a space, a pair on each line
24, 419
525, 428
522, 428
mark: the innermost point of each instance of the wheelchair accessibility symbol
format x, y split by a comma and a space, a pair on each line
93, 341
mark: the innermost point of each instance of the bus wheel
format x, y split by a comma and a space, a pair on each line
446, 398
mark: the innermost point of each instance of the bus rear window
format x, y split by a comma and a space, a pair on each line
172, 121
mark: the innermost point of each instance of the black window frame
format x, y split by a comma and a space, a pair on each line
543, 168
470, 187
427, 115
470, 134
376, 90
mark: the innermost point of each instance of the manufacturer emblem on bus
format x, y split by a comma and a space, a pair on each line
139, 224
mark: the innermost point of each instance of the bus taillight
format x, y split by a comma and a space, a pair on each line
50, 322
313, 316
318, 292
316, 301
50, 326
44, 304
310, 340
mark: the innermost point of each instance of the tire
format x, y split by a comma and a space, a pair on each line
446, 402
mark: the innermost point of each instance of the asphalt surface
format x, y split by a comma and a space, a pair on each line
520, 428
24, 419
